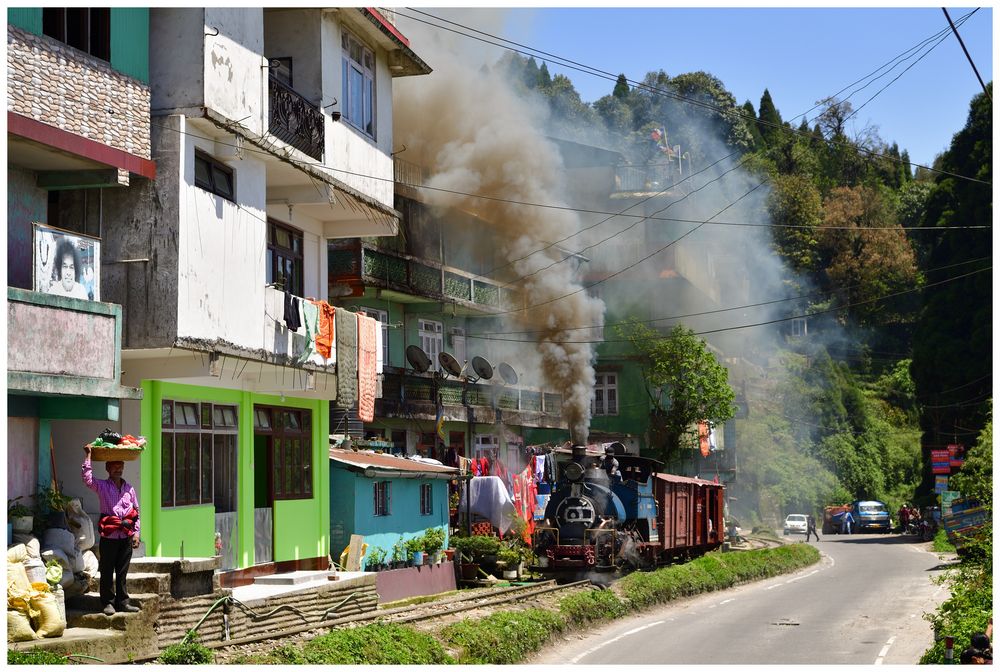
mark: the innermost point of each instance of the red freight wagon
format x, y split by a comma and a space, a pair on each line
690, 515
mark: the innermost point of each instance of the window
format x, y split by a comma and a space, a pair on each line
198, 455
213, 176
281, 69
426, 507
431, 341
605, 394
358, 84
289, 432
800, 327
284, 257
383, 317
382, 498
88, 30
485, 444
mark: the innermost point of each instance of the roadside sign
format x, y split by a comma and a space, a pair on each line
947, 497
940, 462
940, 484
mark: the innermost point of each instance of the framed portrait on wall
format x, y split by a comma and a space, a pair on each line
66, 263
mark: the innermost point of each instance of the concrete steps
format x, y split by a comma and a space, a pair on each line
292, 578
84, 611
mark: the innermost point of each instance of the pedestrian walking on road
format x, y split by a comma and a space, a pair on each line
848, 521
811, 528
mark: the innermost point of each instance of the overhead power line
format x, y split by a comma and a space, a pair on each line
586, 69
967, 55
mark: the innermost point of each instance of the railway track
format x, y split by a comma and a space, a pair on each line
423, 615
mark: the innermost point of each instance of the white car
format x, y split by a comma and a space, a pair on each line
796, 522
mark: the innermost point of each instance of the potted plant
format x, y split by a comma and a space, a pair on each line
376, 559
398, 554
453, 505
51, 500
433, 541
415, 547
19, 517
511, 560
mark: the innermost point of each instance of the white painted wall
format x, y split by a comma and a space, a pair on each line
221, 251
350, 150
235, 81
178, 81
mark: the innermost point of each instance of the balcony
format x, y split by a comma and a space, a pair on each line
295, 120
63, 346
359, 265
651, 178
411, 395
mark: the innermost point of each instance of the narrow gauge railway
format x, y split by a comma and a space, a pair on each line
611, 513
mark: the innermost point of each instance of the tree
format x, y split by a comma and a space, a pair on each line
795, 202
975, 480
750, 115
685, 384
544, 78
769, 120
621, 88
530, 74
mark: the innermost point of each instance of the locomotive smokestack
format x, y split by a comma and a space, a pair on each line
579, 452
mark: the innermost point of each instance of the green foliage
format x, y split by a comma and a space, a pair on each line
695, 384
621, 90
433, 539
376, 644
769, 120
477, 546
375, 556
975, 479
502, 638
941, 543
35, 657
414, 545
187, 653
16, 510
591, 605
796, 209
714, 571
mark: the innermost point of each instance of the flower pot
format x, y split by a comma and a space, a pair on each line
22, 524
449, 554
418, 558
543, 561
469, 571
510, 573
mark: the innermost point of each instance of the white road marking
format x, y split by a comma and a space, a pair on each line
804, 576
731, 599
777, 585
885, 650
613, 640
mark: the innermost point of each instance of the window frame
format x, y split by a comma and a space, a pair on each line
605, 382
431, 332
369, 91
277, 253
291, 470
199, 441
426, 499
382, 501
214, 167
92, 27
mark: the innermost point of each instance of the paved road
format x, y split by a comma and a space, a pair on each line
863, 603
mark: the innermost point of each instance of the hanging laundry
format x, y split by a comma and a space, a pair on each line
347, 358
324, 337
310, 320
379, 364
292, 320
367, 328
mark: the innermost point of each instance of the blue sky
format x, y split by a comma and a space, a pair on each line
799, 55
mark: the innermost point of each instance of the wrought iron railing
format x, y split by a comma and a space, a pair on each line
419, 390
295, 120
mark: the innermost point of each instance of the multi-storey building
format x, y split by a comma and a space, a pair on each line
433, 287
78, 137
271, 130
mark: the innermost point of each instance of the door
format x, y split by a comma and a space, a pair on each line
263, 500
682, 504
225, 477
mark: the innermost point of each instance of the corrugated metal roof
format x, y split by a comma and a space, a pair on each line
684, 479
379, 461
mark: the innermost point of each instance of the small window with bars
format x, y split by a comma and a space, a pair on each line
382, 493
426, 504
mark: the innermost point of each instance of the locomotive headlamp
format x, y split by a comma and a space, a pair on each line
573, 471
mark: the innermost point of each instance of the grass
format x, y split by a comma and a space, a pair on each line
502, 638
35, 657
941, 543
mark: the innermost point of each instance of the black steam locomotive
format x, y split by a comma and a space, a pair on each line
614, 511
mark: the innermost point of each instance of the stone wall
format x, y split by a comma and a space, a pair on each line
53, 83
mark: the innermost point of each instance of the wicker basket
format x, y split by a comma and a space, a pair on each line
110, 454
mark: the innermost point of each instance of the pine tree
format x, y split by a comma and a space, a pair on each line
530, 74
769, 120
750, 115
544, 78
621, 88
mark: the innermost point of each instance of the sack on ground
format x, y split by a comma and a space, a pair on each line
17, 553
34, 548
90, 564
58, 538
17, 577
19, 627
35, 570
76, 562
48, 622
80, 524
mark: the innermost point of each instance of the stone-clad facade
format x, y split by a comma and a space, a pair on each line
53, 83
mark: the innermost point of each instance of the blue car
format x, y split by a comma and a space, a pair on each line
870, 515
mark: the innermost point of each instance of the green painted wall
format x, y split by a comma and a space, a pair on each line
129, 36
301, 526
130, 41
26, 18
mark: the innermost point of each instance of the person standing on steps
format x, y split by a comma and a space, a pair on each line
119, 529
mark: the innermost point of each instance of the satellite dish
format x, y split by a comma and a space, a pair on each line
508, 373
417, 358
450, 364
482, 368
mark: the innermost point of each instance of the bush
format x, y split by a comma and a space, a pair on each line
376, 644
478, 546
502, 638
970, 606
35, 657
592, 605
186, 653
433, 540
941, 543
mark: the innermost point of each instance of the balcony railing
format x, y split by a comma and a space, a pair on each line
659, 176
356, 263
295, 120
418, 391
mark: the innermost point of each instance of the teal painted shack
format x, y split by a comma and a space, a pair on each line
385, 499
